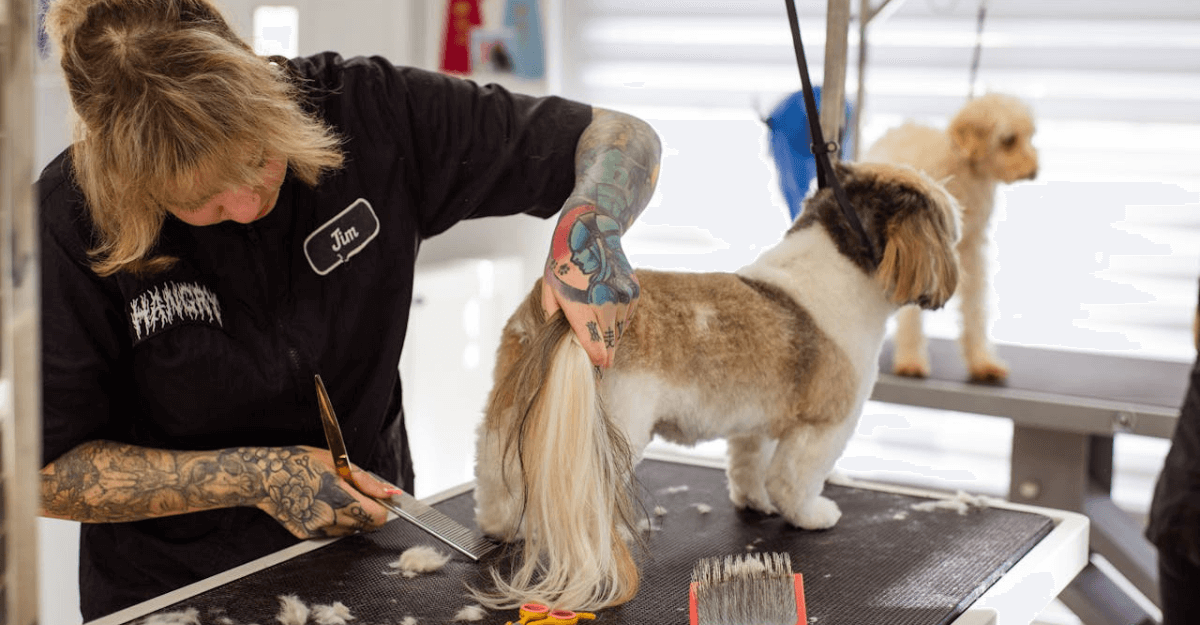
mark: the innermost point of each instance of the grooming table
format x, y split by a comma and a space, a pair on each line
885, 562
1066, 407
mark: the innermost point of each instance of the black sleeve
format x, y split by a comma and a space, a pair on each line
82, 327
472, 151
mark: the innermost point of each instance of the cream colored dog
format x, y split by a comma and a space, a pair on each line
988, 142
778, 358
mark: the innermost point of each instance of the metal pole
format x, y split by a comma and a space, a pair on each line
860, 95
833, 89
865, 14
20, 339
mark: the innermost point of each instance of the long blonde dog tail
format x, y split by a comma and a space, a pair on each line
576, 470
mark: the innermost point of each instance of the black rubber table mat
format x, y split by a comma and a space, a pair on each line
1093, 376
884, 562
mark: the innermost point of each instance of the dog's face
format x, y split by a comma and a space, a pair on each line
912, 219
995, 133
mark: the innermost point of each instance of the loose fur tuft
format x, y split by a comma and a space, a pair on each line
778, 358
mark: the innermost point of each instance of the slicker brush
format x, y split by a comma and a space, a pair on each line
748, 589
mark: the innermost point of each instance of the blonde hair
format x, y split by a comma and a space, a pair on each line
168, 96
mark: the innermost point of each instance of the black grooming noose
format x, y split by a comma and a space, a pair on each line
820, 148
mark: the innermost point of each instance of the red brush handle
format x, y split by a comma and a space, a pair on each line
692, 604
801, 612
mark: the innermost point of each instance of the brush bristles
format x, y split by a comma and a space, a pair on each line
753, 589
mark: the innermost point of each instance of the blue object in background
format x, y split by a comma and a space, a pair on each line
791, 147
529, 56
42, 40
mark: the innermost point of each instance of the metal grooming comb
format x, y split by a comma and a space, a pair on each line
403, 505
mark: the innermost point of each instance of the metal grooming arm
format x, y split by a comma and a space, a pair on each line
833, 89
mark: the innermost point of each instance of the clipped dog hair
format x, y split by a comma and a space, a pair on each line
778, 358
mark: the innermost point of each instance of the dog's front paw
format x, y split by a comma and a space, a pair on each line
818, 513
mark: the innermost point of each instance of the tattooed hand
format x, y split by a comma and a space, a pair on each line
590, 280
587, 275
109, 482
302, 490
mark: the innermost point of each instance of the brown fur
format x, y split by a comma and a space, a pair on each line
752, 333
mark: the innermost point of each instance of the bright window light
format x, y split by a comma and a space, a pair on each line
276, 30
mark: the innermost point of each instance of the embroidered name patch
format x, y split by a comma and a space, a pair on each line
341, 237
170, 304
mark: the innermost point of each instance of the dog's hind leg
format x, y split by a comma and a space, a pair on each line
749, 459
796, 477
497, 487
910, 356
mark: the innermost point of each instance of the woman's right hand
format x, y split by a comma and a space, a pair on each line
302, 490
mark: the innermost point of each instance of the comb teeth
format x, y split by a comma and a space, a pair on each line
440, 526
750, 589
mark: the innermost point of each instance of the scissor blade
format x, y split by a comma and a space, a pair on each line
333, 433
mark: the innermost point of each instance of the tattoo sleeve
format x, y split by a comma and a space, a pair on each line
105, 482
616, 167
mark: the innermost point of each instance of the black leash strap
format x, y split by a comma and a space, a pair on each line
820, 148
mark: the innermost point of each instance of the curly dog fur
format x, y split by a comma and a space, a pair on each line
988, 142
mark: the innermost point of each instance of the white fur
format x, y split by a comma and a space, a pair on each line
292, 610
470, 613
420, 559
333, 614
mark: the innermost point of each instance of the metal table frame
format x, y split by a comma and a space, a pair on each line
1062, 457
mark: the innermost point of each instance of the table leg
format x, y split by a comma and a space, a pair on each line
1073, 471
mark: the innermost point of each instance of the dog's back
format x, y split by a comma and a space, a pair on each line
922, 147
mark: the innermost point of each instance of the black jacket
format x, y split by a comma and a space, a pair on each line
1174, 525
220, 351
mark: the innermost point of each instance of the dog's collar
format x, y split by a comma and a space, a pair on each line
821, 149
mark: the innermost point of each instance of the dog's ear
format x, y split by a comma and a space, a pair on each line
920, 264
971, 131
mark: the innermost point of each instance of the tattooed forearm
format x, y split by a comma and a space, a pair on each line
616, 171
616, 166
105, 482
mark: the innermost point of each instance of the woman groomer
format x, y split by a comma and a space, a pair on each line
224, 227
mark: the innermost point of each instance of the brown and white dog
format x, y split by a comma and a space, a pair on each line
778, 358
989, 141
